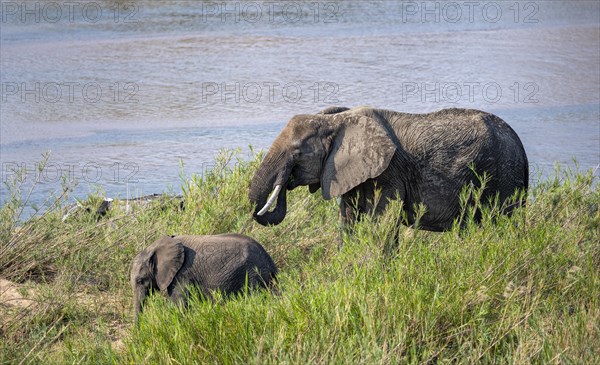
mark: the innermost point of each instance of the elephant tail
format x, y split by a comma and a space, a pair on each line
526, 185
525, 179
521, 200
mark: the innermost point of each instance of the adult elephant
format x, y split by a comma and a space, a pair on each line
421, 158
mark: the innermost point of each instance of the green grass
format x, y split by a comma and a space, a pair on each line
519, 289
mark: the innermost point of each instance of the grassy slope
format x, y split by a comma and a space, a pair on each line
518, 289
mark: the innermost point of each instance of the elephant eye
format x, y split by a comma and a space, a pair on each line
139, 281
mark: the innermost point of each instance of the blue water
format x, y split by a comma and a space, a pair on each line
121, 99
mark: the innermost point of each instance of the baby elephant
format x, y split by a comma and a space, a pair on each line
221, 262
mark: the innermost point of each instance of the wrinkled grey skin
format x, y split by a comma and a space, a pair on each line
218, 262
424, 158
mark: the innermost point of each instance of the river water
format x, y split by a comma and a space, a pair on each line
122, 93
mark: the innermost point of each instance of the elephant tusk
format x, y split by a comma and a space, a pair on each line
271, 200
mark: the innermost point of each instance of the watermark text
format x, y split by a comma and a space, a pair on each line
68, 12
269, 92
270, 11
468, 11
460, 92
89, 172
69, 92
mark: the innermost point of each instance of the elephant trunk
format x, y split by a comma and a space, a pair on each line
268, 187
278, 214
138, 301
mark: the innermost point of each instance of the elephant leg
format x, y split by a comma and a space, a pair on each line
392, 229
341, 223
373, 200
347, 212
346, 220
352, 206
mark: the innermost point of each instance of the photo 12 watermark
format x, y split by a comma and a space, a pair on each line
269, 92
274, 12
68, 11
470, 92
469, 11
69, 92
71, 172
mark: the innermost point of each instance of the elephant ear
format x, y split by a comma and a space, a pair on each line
167, 258
361, 150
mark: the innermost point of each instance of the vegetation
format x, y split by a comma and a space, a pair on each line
518, 289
